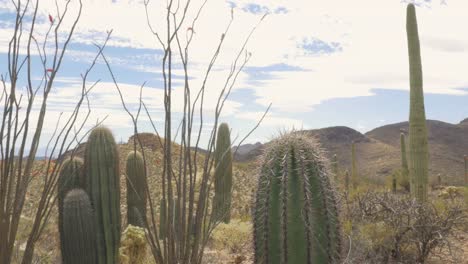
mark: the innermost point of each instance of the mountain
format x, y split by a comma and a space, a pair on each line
378, 151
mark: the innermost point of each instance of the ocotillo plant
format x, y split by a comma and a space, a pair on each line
71, 177
466, 169
354, 169
296, 217
418, 148
101, 163
335, 169
162, 219
404, 164
136, 189
79, 237
222, 175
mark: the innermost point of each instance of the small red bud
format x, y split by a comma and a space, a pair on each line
51, 19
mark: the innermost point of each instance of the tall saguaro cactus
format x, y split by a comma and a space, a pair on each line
404, 164
418, 148
101, 162
223, 175
79, 237
136, 189
296, 215
354, 170
70, 177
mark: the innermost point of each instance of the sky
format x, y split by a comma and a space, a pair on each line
318, 63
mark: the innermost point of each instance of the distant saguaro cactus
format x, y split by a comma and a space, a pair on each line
101, 168
354, 169
79, 237
296, 211
70, 177
335, 168
222, 175
418, 148
346, 181
466, 169
136, 189
404, 165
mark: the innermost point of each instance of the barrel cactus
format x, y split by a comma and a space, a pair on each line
79, 237
296, 211
418, 148
101, 169
136, 189
222, 175
70, 177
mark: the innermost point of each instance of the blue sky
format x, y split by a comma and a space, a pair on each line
319, 63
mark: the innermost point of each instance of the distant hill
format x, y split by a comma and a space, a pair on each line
378, 150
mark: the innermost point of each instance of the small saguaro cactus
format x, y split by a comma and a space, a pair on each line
162, 219
346, 181
354, 169
335, 169
136, 189
101, 168
404, 182
70, 177
418, 148
222, 175
296, 211
79, 237
466, 169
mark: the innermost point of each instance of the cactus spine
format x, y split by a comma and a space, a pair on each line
79, 237
404, 164
71, 177
418, 148
296, 217
136, 189
101, 163
354, 172
222, 175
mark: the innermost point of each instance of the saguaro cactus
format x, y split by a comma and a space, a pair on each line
354, 169
335, 169
101, 162
71, 177
136, 189
296, 217
466, 169
79, 237
418, 148
222, 175
404, 164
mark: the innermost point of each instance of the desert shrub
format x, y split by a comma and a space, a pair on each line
233, 236
389, 228
133, 246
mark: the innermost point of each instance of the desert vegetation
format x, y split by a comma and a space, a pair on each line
164, 198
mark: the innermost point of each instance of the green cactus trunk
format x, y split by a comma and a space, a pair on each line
354, 170
101, 162
79, 237
136, 189
296, 215
335, 169
346, 181
222, 176
405, 183
71, 177
418, 148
